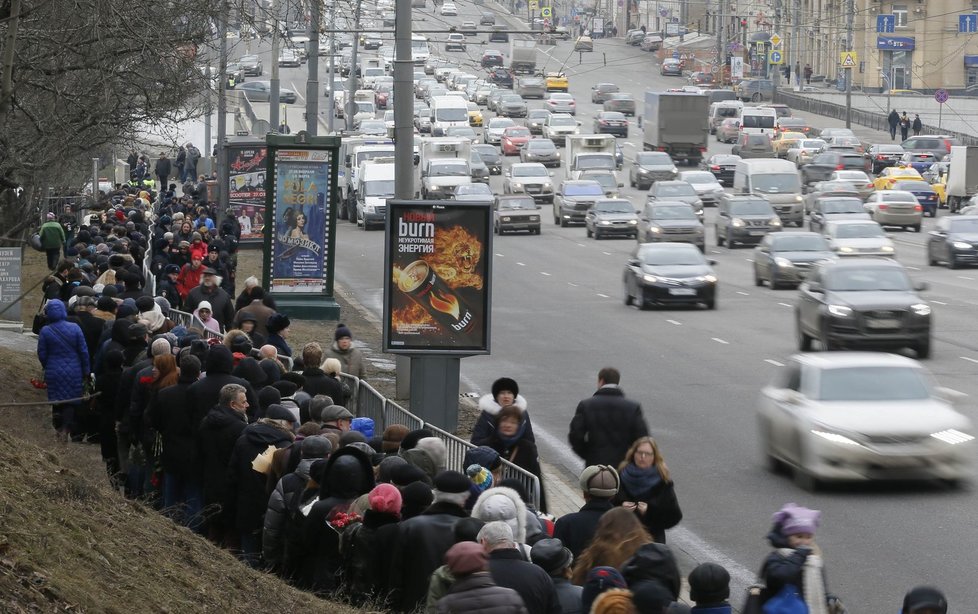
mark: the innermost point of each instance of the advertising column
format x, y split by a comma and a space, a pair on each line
246, 189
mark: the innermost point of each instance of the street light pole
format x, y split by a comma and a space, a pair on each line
222, 118
330, 113
312, 63
351, 87
273, 84
850, 13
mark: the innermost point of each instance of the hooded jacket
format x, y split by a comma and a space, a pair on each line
218, 365
653, 563
428, 455
485, 426
62, 352
247, 496
501, 503
218, 434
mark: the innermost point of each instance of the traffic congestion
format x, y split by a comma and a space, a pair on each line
754, 266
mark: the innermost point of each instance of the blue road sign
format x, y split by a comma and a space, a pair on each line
885, 23
775, 57
941, 95
968, 23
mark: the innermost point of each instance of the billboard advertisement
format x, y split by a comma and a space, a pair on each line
246, 190
438, 273
301, 220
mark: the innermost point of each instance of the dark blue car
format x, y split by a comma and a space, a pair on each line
925, 194
919, 160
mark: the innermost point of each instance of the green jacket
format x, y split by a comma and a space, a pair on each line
441, 581
52, 235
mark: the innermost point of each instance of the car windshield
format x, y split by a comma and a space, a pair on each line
758, 121
561, 98
897, 197
606, 180
842, 205
699, 177
758, 139
653, 158
674, 189
924, 144
517, 203
518, 133
851, 176
365, 107
672, 212
511, 99
964, 226
378, 188
563, 121
858, 231
539, 114
583, 189
541, 144
614, 206
728, 111
805, 243
462, 131
776, 182
589, 161
475, 158
811, 143
530, 171
480, 189
486, 152
450, 168
672, 257
873, 384
866, 279
913, 185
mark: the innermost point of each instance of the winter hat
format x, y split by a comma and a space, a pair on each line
386, 467
600, 481
482, 455
794, 519
351, 437
467, 529
466, 558
411, 439
145, 303
125, 310
205, 305
163, 304
924, 597
316, 446
363, 425
385, 498
614, 601
285, 388
415, 498
452, 482
505, 383
106, 303
160, 347
268, 396
50, 216
551, 555
316, 406
503, 504
279, 412
598, 580
709, 583
342, 330
428, 455
336, 412
402, 475
393, 435
277, 322
480, 476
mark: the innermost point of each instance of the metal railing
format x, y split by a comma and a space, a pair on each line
369, 403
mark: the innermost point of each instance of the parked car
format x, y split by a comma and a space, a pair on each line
785, 258
611, 217
954, 241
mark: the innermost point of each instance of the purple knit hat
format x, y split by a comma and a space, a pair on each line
794, 519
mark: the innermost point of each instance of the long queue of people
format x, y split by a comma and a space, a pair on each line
271, 463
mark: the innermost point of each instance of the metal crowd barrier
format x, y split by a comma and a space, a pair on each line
369, 403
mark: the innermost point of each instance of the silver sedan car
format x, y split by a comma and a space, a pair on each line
561, 103
540, 150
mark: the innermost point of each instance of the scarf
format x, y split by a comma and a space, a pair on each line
510, 442
814, 583
640, 482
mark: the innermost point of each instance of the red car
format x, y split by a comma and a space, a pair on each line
513, 138
382, 96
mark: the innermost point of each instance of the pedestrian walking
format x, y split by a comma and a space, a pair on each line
181, 163
808, 74
52, 239
162, 170
904, 126
63, 354
893, 119
606, 424
69, 223
917, 124
647, 488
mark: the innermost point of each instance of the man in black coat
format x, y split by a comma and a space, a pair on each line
317, 382
90, 325
216, 438
222, 304
162, 170
510, 570
606, 424
600, 484
422, 541
218, 366
177, 422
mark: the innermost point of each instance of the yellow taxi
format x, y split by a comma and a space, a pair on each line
785, 141
940, 186
557, 82
475, 115
891, 174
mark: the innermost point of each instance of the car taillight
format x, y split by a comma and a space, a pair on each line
883, 207
840, 167
714, 167
918, 208
880, 157
702, 149
662, 149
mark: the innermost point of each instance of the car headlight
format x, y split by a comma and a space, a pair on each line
655, 229
650, 278
737, 222
835, 438
961, 245
710, 279
674, 171
548, 186
699, 230
952, 436
506, 219
774, 221
840, 311
921, 309
845, 250
644, 171
632, 222
516, 186
604, 223
886, 248
798, 199
784, 263
435, 187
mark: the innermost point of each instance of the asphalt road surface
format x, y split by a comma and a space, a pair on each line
558, 316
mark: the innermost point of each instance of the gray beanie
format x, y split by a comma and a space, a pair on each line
316, 446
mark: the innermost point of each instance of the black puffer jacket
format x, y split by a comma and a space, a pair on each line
247, 493
577, 529
478, 594
365, 558
219, 431
205, 393
177, 422
653, 563
605, 426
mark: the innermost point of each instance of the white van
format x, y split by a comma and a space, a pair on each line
775, 180
758, 120
375, 185
724, 109
448, 111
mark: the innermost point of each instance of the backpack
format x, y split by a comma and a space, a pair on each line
786, 601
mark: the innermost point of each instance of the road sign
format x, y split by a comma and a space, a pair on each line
968, 23
775, 57
546, 12
715, 69
885, 23
941, 95
776, 40
533, 5
848, 59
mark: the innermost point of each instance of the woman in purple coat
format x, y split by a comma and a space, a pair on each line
63, 354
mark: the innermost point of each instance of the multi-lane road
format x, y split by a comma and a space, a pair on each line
558, 316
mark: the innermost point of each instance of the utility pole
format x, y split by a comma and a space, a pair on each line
208, 110
312, 63
850, 14
331, 113
721, 33
273, 84
351, 86
222, 118
796, 42
403, 101
778, 68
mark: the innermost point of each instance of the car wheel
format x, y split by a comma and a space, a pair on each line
952, 262
773, 282
804, 480
804, 340
757, 97
628, 296
825, 342
931, 261
916, 228
712, 303
923, 349
757, 278
563, 223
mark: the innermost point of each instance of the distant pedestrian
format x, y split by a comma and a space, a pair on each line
63, 354
924, 600
344, 351
283, 128
505, 391
181, 163
52, 239
162, 170
917, 124
193, 156
606, 424
904, 126
808, 74
893, 119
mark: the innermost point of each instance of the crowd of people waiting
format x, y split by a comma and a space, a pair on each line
221, 435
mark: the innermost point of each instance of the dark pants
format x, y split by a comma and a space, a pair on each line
53, 256
183, 500
63, 417
893, 132
250, 548
162, 180
903, 133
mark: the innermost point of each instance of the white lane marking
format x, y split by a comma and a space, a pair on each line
715, 251
784, 304
606, 253
938, 302
545, 273
500, 256
603, 295
297, 91
773, 362
520, 263
912, 268
966, 277
749, 259
742, 293
969, 359
581, 245
674, 322
719, 340
571, 284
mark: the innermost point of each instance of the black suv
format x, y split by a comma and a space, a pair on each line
745, 219
824, 164
502, 77
862, 302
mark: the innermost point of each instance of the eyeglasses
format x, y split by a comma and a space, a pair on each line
643, 454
